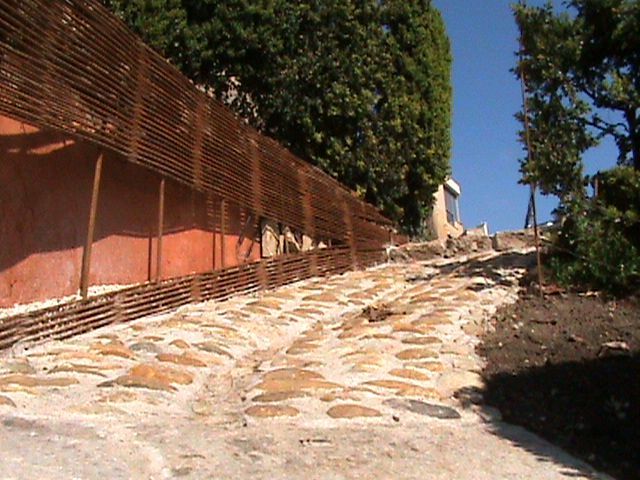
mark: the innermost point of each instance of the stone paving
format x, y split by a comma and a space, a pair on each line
367, 374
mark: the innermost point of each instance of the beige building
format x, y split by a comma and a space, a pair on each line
445, 219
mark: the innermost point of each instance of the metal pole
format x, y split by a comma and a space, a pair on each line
160, 230
86, 254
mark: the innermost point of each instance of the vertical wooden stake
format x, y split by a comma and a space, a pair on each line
223, 230
160, 230
525, 108
86, 254
286, 241
213, 240
346, 211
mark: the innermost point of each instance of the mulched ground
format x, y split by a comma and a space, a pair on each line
568, 368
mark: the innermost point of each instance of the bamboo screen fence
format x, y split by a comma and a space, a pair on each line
71, 66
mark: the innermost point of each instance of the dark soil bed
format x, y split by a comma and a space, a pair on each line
568, 368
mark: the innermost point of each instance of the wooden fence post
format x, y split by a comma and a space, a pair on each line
86, 253
160, 230
223, 230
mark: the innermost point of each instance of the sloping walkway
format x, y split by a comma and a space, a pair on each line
366, 375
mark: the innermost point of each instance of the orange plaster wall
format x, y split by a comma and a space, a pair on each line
45, 191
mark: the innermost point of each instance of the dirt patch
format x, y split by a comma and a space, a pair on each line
376, 313
568, 368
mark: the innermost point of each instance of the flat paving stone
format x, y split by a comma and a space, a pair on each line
431, 366
423, 408
408, 328
257, 310
365, 368
270, 304
278, 396
417, 391
33, 381
214, 347
140, 382
389, 384
293, 374
221, 327
152, 377
306, 312
424, 298
303, 384
450, 382
303, 347
416, 354
121, 396
80, 355
352, 411
78, 368
182, 359
376, 361
113, 348
322, 298
22, 366
356, 331
147, 346
282, 295
268, 411
379, 336
293, 361
432, 320
7, 402
409, 373
346, 394
422, 340
359, 296
179, 343
96, 409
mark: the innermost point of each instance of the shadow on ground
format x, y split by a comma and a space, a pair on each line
491, 268
568, 368
589, 408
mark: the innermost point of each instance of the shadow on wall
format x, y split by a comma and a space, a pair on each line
47, 179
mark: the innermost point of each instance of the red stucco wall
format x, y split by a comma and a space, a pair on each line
45, 191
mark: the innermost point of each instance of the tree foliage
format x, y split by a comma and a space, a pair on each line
598, 244
359, 88
582, 72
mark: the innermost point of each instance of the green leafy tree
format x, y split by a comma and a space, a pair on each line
420, 47
359, 88
582, 72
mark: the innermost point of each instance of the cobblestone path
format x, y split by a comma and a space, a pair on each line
369, 374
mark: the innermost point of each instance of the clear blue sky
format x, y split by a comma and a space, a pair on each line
486, 96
